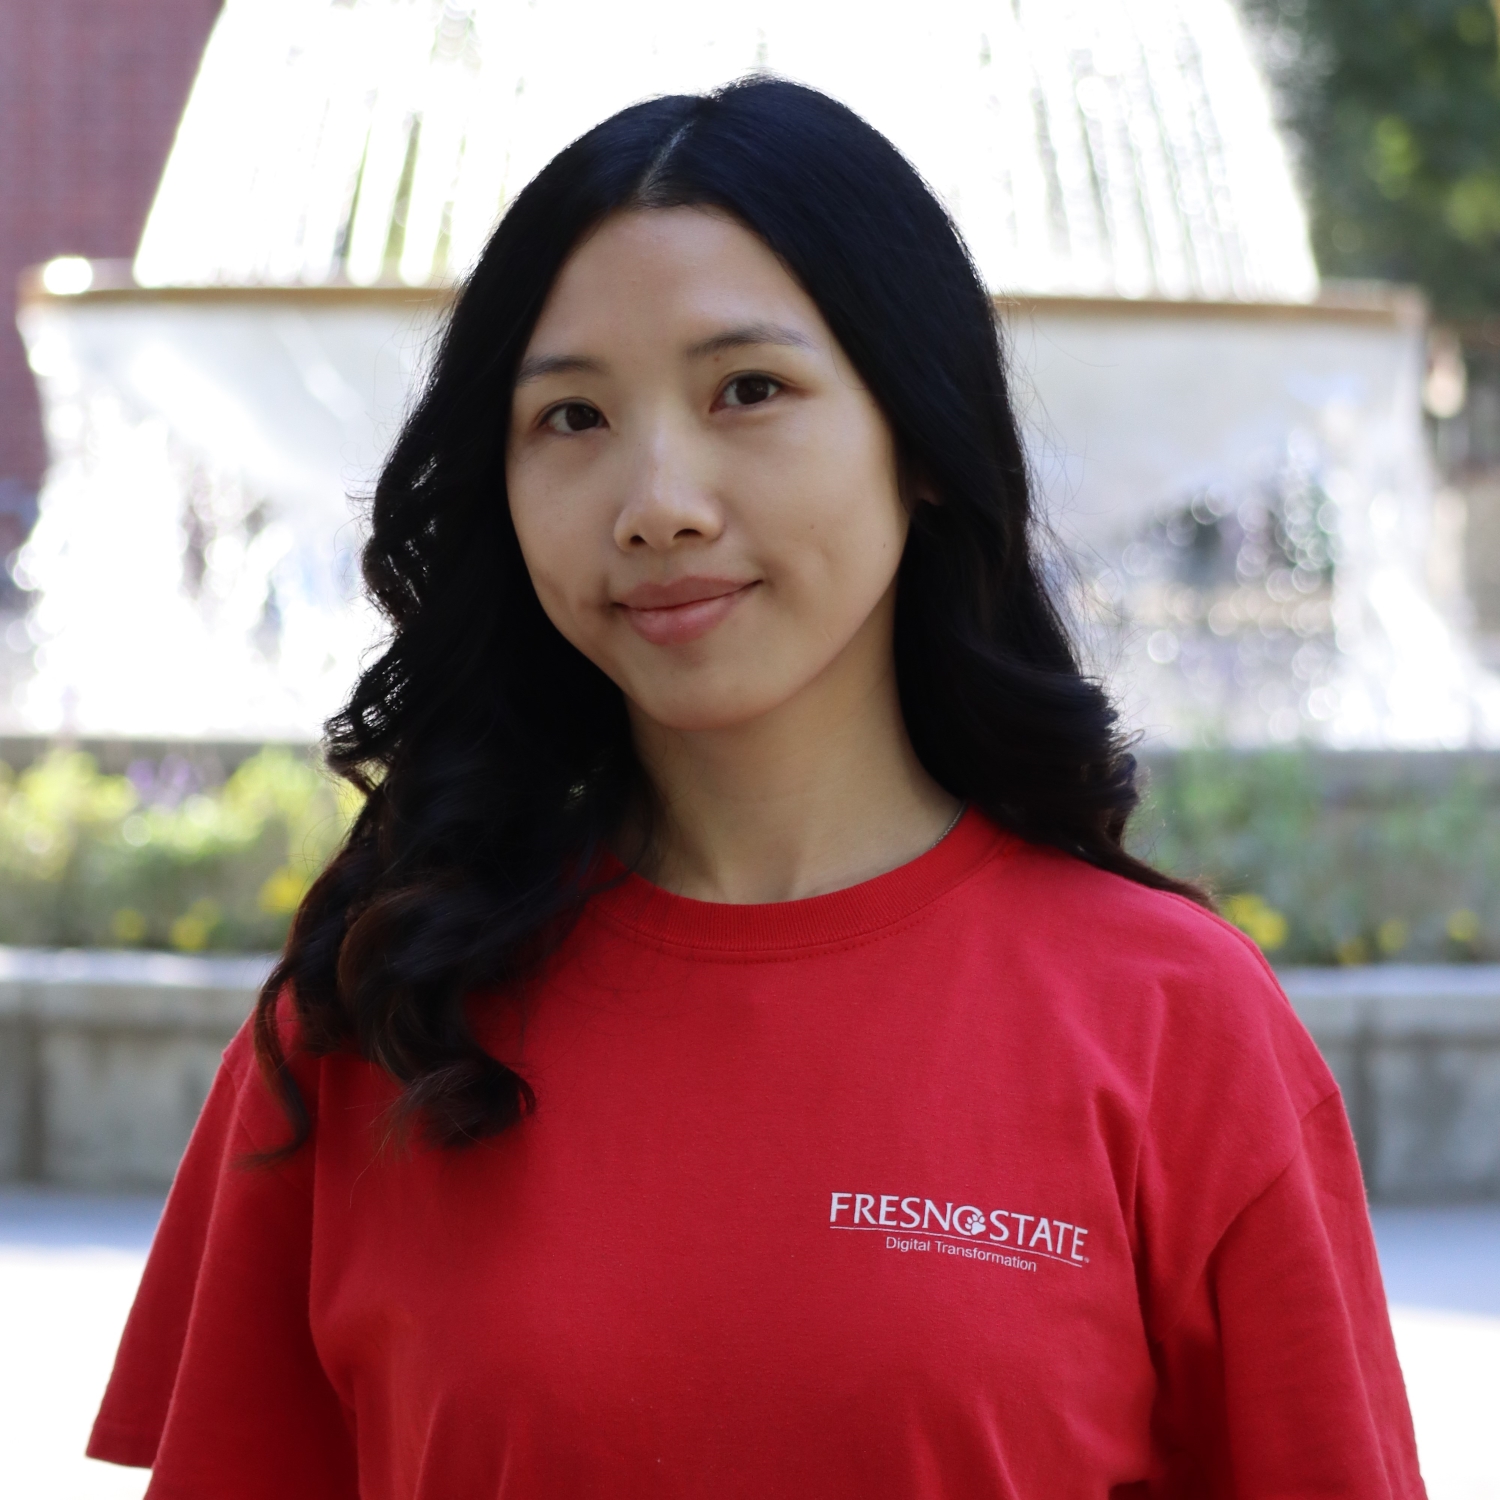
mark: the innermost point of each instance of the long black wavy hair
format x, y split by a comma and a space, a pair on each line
496, 760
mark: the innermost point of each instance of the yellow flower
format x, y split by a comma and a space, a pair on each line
192, 930
1391, 935
127, 925
1463, 926
283, 891
1262, 923
1353, 951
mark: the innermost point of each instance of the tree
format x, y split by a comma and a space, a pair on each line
1395, 105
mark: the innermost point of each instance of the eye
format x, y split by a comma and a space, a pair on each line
573, 416
749, 390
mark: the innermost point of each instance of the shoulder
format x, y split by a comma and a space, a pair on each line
264, 1100
1165, 980
1125, 921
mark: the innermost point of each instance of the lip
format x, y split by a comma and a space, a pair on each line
671, 614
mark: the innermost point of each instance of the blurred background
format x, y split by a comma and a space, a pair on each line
1247, 256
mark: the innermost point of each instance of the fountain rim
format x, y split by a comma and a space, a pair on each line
1373, 303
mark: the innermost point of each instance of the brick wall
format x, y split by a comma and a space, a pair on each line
90, 95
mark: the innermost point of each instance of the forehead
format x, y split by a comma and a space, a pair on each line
664, 272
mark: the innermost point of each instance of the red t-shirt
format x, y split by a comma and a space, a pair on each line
994, 1176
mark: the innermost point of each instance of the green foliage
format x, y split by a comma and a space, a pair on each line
1396, 104
85, 861
1323, 859
1320, 858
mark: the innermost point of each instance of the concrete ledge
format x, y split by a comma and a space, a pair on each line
136, 991
1416, 1051
1406, 1001
106, 1058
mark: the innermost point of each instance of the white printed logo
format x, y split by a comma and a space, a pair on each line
965, 1230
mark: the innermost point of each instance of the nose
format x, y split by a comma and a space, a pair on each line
666, 503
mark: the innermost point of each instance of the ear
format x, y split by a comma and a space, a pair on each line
915, 488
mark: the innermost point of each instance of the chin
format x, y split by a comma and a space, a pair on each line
703, 709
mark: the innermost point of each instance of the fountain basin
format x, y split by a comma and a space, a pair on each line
1247, 491
195, 558
1242, 490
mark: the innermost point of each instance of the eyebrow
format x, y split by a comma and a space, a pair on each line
749, 335
535, 366
743, 336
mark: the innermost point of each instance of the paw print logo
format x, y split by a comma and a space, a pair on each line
969, 1221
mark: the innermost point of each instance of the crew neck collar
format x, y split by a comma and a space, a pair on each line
779, 927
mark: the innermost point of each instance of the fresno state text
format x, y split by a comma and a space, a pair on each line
1042, 1233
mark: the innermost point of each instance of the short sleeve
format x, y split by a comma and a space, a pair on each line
1280, 1377
217, 1386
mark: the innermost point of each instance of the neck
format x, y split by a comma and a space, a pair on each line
821, 793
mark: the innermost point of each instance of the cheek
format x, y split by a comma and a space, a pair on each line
556, 549
845, 529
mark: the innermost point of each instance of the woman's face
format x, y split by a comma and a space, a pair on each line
705, 494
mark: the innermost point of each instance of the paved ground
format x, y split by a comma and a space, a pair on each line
68, 1269
69, 1264
1442, 1275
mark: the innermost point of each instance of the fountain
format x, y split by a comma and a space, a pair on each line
1232, 458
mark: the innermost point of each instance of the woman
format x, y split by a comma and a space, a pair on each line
733, 1053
